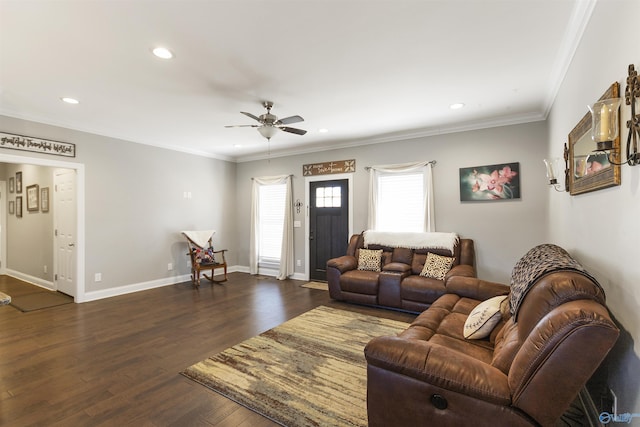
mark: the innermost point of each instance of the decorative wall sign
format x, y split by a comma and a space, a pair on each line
18, 182
44, 199
37, 145
19, 206
490, 182
328, 168
33, 200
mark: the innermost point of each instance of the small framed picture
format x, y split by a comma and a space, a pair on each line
18, 182
33, 198
44, 199
12, 207
19, 206
12, 184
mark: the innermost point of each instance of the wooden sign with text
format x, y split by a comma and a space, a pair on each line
37, 145
328, 168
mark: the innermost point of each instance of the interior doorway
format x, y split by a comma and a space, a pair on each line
329, 221
78, 228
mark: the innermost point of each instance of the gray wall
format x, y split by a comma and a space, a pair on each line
503, 230
601, 228
29, 237
135, 207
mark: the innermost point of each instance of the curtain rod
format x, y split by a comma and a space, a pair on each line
432, 162
291, 175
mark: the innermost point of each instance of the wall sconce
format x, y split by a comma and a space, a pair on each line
605, 122
554, 167
298, 205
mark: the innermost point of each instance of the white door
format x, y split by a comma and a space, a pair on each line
65, 231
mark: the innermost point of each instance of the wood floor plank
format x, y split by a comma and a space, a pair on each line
117, 361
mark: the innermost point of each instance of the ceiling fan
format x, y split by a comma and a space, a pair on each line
269, 123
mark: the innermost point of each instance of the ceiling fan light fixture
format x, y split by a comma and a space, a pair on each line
267, 131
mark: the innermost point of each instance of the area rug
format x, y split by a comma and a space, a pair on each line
39, 300
309, 371
316, 285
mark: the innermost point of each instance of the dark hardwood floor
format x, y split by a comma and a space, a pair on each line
116, 361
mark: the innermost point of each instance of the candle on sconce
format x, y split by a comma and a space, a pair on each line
604, 122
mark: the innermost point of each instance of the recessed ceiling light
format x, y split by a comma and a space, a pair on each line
456, 106
162, 52
237, 145
70, 100
323, 130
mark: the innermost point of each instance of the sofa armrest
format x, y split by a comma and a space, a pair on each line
475, 288
343, 263
463, 270
439, 366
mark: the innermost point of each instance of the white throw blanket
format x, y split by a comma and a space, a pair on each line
199, 237
411, 240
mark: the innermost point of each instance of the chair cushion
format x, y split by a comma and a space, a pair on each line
436, 266
204, 256
369, 259
484, 318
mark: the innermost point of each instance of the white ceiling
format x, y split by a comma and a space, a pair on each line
366, 70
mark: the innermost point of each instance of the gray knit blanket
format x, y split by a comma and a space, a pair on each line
539, 261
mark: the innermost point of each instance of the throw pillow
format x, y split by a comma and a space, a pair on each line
369, 259
436, 266
483, 318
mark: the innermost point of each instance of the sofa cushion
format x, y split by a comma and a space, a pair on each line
436, 266
483, 318
369, 259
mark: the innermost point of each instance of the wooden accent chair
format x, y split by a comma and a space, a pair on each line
205, 258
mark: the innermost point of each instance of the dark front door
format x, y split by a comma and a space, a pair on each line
328, 224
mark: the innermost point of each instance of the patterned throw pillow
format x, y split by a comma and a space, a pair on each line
204, 256
369, 259
483, 318
436, 266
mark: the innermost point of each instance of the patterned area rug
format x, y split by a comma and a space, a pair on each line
316, 285
309, 371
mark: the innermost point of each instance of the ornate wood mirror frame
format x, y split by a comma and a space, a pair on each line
589, 170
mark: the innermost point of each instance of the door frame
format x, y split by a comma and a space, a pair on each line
307, 181
80, 209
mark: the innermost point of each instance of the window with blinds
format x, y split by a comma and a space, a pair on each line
401, 202
271, 211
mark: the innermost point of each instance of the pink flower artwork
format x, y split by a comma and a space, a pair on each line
491, 182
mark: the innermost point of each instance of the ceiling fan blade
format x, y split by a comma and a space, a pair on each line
242, 126
289, 120
293, 130
251, 115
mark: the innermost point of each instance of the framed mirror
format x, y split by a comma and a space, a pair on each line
589, 170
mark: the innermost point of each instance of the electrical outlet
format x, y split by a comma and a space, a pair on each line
45, 269
97, 277
169, 267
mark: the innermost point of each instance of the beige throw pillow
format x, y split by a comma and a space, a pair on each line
483, 318
370, 259
436, 266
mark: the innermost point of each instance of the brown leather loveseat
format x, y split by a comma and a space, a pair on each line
398, 284
551, 336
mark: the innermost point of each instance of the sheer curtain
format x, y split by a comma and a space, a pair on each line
425, 168
286, 255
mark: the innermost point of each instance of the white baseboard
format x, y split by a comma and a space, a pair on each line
30, 279
143, 286
137, 287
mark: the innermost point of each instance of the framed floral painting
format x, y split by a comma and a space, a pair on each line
490, 182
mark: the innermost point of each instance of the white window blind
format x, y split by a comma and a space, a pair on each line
271, 219
401, 202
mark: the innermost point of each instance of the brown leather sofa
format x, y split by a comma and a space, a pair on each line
399, 284
527, 372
